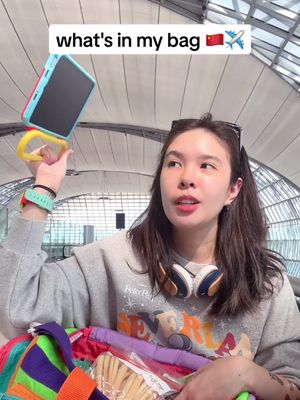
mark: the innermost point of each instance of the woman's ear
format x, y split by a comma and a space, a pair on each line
234, 191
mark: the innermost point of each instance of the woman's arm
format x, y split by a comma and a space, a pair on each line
30, 289
275, 370
49, 172
225, 378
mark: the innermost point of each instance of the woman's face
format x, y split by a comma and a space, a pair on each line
195, 180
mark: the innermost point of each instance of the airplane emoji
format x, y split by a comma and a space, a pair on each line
235, 38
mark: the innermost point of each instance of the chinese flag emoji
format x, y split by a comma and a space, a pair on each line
214, 40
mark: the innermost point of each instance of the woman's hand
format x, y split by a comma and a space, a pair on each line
223, 379
52, 169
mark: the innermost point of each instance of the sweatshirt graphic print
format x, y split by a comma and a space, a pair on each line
187, 329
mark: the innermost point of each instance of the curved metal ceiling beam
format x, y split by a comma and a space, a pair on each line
158, 135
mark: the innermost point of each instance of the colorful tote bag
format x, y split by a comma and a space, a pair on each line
52, 365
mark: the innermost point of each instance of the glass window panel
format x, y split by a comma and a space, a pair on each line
287, 188
296, 204
10, 190
260, 44
272, 7
264, 17
266, 56
276, 192
237, 5
220, 19
284, 231
287, 73
267, 37
287, 248
269, 214
282, 211
291, 82
292, 58
271, 24
101, 212
292, 5
290, 66
293, 49
254, 165
264, 177
293, 268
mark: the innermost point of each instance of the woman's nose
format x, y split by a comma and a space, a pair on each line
186, 183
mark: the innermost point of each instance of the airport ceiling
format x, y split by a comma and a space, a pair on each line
139, 95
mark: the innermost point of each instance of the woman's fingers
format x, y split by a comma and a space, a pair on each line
51, 169
48, 157
48, 154
63, 157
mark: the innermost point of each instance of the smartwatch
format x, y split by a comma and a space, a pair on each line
41, 200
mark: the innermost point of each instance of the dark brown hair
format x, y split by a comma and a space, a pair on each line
247, 266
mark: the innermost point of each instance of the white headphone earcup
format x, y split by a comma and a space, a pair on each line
183, 281
207, 281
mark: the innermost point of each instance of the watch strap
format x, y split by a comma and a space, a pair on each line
41, 200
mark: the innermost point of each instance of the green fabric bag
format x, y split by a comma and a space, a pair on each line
10, 355
42, 368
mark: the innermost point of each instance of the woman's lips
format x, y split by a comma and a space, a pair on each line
187, 207
187, 204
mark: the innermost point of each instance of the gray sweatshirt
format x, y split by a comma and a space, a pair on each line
102, 285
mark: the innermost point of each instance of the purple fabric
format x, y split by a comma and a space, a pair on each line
97, 395
42, 370
177, 357
58, 333
158, 353
37, 365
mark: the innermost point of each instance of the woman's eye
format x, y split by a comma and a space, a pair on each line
174, 164
207, 166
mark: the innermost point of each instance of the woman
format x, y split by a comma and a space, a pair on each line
191, 273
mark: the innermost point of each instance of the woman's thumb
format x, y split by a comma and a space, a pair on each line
65, 155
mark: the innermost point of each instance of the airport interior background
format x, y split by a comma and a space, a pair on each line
117, 142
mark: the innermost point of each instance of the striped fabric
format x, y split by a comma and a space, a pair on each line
45, 369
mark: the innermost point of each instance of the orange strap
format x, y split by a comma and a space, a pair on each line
18, 366
23, 392
77, 386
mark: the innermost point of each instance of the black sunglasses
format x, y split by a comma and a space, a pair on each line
236, 128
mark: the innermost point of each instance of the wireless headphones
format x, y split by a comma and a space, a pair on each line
183, 283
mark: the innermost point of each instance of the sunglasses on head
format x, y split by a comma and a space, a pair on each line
237, 129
